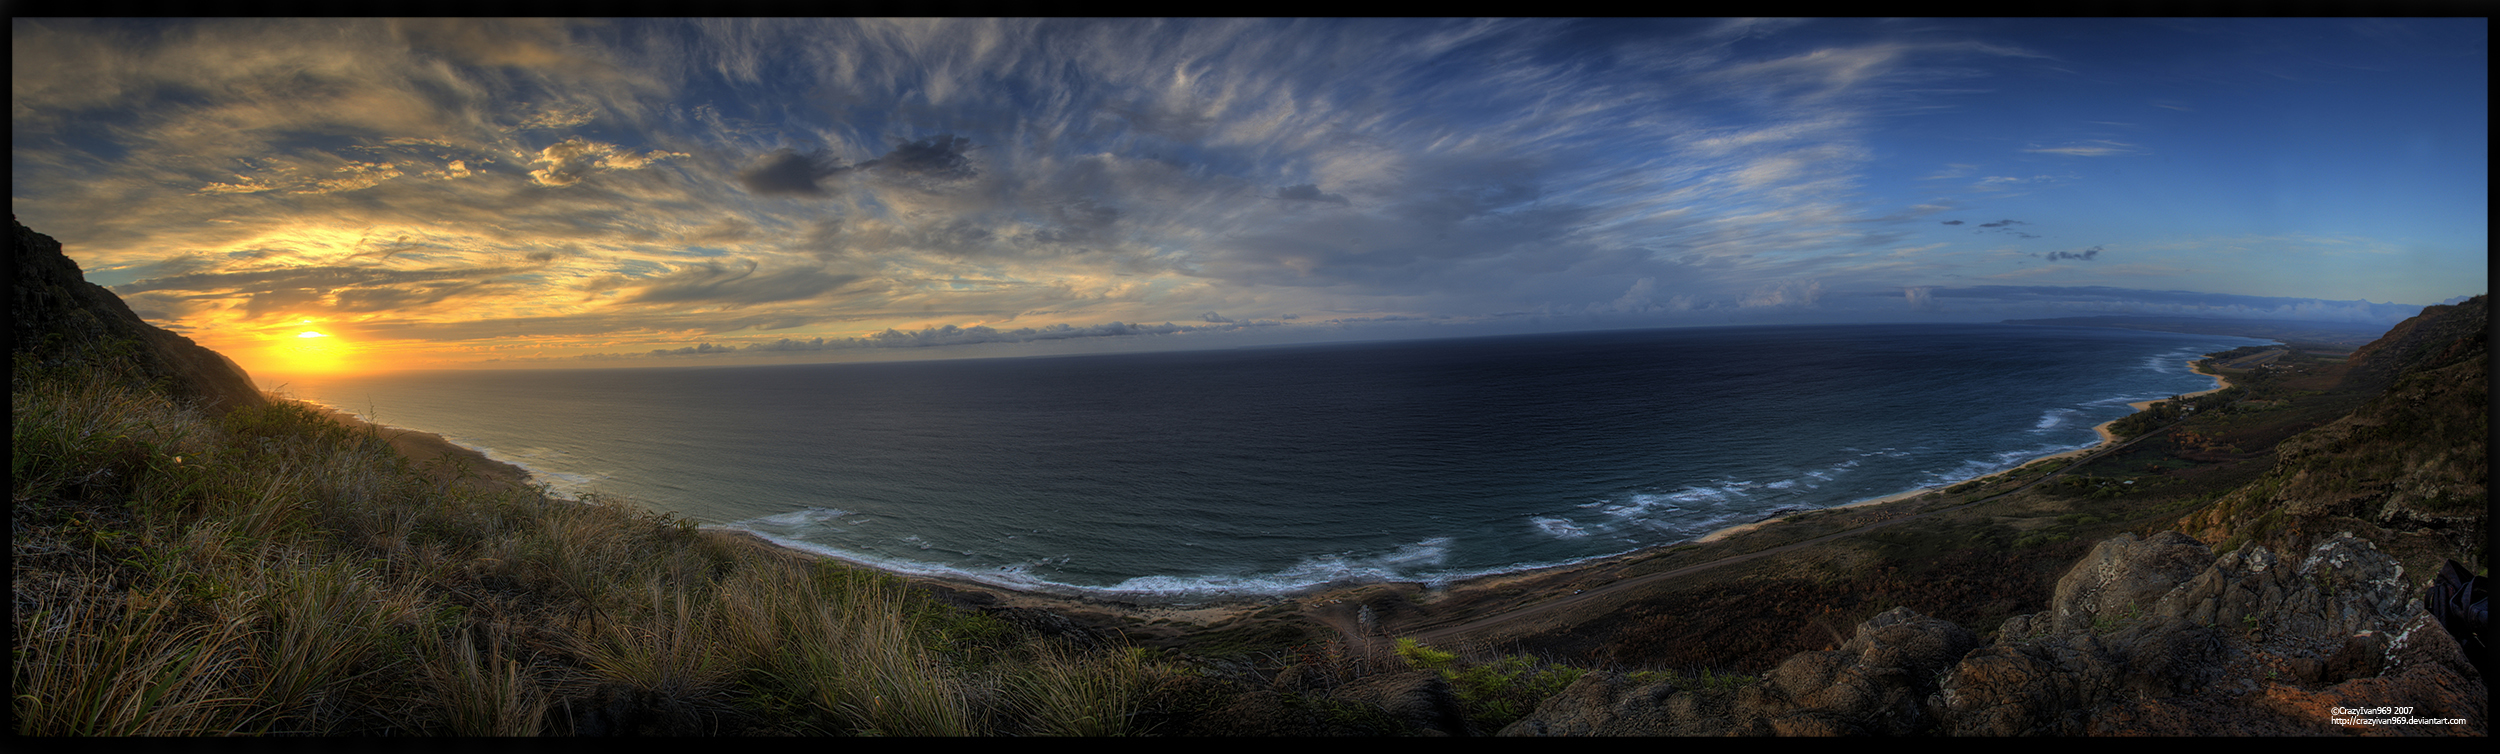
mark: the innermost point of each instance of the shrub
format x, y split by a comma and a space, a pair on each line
1493, 694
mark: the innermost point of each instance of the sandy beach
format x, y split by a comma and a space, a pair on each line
2107, 439
1113, 616
441, 456
1110, 614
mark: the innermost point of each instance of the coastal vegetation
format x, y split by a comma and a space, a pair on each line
269, 571
192, 560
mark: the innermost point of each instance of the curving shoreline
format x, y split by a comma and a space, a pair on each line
2107, 439
424, 448
1108, 613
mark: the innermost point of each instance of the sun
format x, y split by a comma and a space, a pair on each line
308, 351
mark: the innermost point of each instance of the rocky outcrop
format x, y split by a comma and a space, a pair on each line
2249, 643
61, 318
2408, 470
2145, 636
1875, 684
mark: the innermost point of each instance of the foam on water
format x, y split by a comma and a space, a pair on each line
2054, 418
1336, 569
1206, 475
564, 485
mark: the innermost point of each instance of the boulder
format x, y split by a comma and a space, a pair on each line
1599, 704
1876, 684
2249, 643
2144, 636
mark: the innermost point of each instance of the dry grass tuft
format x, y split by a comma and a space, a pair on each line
272, 572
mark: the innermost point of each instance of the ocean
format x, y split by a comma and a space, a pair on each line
1198, 475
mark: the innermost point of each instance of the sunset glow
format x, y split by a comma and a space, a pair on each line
562, 193
307, 352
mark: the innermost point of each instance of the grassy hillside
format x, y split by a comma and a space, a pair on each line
267, 571
186, 562
2407, 467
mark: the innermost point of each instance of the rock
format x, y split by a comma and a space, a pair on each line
59, 318
2248, 644
1600, 704
1876, 684
2043, 687
2122, 578
1421, 700
2144, 636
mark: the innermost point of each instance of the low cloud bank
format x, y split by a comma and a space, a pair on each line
2081, 300
947, 335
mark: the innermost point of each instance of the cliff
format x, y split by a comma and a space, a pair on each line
2408, 470
2299, 593
2150, 636
2439, 336
61, 319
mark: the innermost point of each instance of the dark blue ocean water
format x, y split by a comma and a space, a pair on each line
1202, 474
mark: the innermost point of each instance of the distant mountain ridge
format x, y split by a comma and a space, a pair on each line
2408, 470
2440, 336
61, 318
2342, 334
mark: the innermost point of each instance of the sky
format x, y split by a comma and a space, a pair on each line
367, 194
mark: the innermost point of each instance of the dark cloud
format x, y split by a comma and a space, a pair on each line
948, 335
1085, 213
2002, 226
350, 289
788, 172
387, 299
1952, 222
717, 284
1080, 221
940, 158
2085, 255
706, 348
1309, 192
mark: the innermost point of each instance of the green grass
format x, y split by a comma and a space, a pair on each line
271, 572
1494, 693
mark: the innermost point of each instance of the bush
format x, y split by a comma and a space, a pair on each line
269, 571
1493, 694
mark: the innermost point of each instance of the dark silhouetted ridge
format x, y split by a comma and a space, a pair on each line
60, 318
